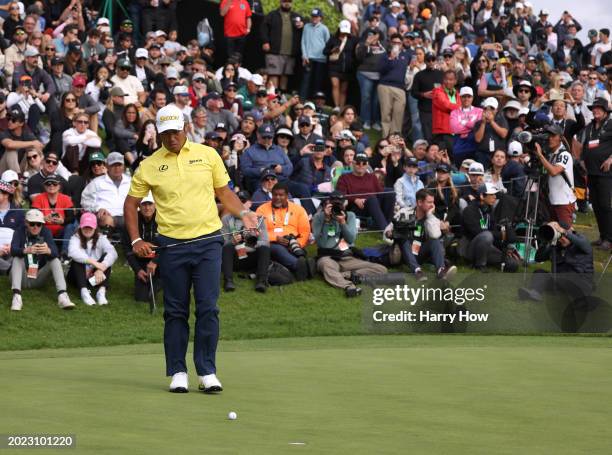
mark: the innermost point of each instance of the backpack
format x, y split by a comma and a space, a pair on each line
279, 275
205, 32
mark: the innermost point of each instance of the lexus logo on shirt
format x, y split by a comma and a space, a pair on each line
163, 168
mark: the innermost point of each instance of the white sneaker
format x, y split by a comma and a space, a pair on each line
367, 125
63, 301
17, 302
101, 296
377, 127
210, 383
86, 297
179, 383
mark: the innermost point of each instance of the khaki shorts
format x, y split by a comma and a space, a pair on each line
279, 65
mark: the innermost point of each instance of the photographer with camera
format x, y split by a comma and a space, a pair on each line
490, 132
419, 234
570, 254
288, 230
487, 233
244, 250
35, 257
335, 231
559, 165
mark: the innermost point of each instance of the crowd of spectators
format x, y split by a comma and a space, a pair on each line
465, 111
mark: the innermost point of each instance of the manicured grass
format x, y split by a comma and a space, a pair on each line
336, 395
310, 308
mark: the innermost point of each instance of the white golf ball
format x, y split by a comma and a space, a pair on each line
232, 415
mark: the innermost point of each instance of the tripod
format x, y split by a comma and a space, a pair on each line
532, 189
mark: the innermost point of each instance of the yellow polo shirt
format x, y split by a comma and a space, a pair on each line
183, 186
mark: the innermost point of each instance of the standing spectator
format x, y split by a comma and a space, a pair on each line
314, 38
490, 132
422, 87
369, 53
14, 54
281, 37
35, 257
462, 122
340, 50
391, 92
236, 23
92, 258
78, 142
15, 141
602, 47
407, 186
444, 101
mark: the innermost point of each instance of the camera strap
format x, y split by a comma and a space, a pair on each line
563, 174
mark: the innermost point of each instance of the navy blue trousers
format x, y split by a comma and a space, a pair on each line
197, 265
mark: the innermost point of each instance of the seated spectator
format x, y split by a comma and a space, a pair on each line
264, 155
264, 192
490, 132
11, 219
112, 113
494, 174
288, 231
11, 177
26, 99
130, 85
387, 159
105, 194
198, 125
335, 232
61, 118
361, 188
85, 102
304, 137
246, 251
126, 132
61, 80
78, 143
35, 257
145, 269
407, 186
476, 179
217, 114
487, 232
446, 198
15, 141
183, 101
57, 209
146, 144
51, 165
92, 258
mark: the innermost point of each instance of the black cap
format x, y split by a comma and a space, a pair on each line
443, 167
304, 120
16, 114
319, 95
430, 56
362, 157
356, 126
52, 178
75, 47
601, 103
57, 61
336, 195
554, 129
244, 196
411, 161
212, 135
268, 173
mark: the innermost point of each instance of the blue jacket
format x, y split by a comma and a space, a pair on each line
13, 219
256, 158
21, 239
314, 38
306, 173
393, 72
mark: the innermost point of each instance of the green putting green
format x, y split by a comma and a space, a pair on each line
370, 394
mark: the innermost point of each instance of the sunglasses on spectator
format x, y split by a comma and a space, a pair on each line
19, 33
200, 80
49, 48
14, 120
230, 89
51, 183
330, 146
53, 162
35, 224
593, 78
15, 183
524, 90
124, 68
32, 157
82, 122
268, 179
361, 163
70, 100
97, 163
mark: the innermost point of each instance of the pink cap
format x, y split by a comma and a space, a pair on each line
88, 220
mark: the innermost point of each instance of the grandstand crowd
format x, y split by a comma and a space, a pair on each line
477, 122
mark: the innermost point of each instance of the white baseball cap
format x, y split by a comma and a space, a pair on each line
345, 26
148, 198
160, 33
488, 188
172, 73
396, 5
180, 90
515, 148
466, 91
257, 79
35, 216
523, 111
142, 53
512, 104
9, 176
169, 117
490, 102
103, 21
476, 168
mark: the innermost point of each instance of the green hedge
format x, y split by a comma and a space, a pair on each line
331, 15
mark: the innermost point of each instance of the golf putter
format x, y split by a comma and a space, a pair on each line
152, 305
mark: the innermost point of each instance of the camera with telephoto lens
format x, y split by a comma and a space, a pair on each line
404, 225
294, 246
250, 241
548, 234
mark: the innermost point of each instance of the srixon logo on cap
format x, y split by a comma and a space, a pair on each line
165, 118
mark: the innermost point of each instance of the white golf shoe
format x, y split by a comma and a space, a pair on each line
87, 298
101, 296
210, 383
63, 301
179, 383
17, 303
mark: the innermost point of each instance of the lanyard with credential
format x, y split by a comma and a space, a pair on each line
287, 214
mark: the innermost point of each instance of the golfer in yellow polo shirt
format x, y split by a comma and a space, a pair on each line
184, 179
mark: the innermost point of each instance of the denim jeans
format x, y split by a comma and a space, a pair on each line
370, 108
413, 104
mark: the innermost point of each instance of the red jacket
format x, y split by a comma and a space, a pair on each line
441, 109
41, 202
